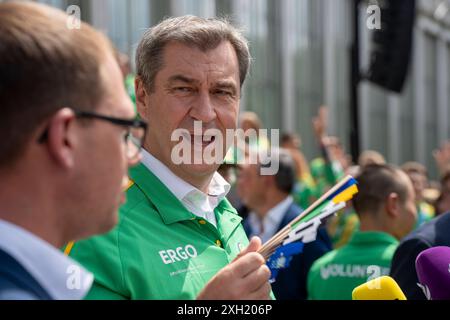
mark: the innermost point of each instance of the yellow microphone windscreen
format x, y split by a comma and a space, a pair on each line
382, 288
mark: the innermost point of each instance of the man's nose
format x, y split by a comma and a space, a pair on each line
203, 109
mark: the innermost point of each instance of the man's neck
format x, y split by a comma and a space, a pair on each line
23, 204
371, 222
201, 182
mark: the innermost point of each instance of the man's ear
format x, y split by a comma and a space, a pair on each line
392, 204
62, 137
141, 96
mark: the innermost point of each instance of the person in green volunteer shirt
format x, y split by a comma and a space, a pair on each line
345, 223
177, 229
387, 212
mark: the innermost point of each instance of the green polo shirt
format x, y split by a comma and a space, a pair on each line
159, 250
337, 273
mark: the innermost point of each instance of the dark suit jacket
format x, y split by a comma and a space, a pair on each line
16, 283
403, 269
291, 282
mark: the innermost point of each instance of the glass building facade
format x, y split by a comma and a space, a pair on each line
300, 52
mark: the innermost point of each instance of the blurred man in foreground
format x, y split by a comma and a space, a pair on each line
69, 138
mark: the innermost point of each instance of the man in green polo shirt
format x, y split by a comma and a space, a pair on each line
387, 212
177, 229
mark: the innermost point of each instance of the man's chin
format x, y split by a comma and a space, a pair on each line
98, 227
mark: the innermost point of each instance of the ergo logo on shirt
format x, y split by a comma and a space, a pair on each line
170, 256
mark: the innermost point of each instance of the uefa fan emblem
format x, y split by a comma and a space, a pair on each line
281, 262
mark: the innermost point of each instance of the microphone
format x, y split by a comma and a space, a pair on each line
433, 271
381, 288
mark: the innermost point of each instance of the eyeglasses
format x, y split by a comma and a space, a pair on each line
133, 137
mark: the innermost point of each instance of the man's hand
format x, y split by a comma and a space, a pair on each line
246, 278
320, 123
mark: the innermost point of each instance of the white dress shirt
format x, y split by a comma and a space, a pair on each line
194, 200
267, 227
60, 276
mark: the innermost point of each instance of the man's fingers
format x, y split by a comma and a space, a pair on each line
255, 280
253, 246
262, 293
246, 278
247, 264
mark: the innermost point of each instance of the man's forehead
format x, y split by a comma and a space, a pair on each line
183, 48
191, 62
122, 108
225, 81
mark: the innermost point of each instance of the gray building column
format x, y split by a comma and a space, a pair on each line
419, 96
443, 94
394, 134
287, 53
100, 15
331, 7
201, 8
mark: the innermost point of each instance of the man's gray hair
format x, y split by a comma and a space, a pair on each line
205, 34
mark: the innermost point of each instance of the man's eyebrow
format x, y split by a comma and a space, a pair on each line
181, 78
219, 84
226, 84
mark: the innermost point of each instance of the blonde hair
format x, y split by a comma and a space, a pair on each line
44, 66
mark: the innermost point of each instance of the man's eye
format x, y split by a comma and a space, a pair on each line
183, 89
224, 93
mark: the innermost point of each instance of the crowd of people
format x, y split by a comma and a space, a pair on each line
393, 203
93, 206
